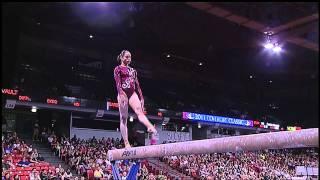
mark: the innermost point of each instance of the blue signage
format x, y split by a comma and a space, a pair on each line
216, 119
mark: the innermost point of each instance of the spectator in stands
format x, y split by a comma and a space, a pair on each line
67, 175
8, 163
16, 144
23, 147
74, 138
5, 165
108, 175
8, 149
14, 135
50, 139
57, 149
16, 177
143, 173
24, 162
44, 175
43, 134
98, 173
7, 176
34, 175
51, 174
30, 149
124, 175
61, 173
35, 136
58, 169
151, 177
160, 176
34, 156
40, 158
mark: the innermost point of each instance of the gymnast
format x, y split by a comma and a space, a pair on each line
127, 83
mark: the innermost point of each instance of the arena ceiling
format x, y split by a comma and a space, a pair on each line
194, 32
227, 38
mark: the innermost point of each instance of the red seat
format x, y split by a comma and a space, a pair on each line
28, 168
24, 177
19, 168
17, 159
45, 168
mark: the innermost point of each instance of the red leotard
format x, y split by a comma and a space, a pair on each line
126, 79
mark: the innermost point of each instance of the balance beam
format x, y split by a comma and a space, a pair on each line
253, 142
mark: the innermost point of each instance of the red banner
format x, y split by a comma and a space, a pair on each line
13, 92
52, 101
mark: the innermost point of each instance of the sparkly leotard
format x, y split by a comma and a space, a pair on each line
126, 79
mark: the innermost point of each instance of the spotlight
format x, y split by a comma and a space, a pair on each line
90, 36
250, 76
131, 119
168, 55
268, 45
277, 49
200, 64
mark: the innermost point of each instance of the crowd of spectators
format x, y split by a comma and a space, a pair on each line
21, 161
89, 157
266, 164
89, 160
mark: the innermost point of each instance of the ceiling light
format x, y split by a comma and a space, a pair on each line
268, 45
277, 49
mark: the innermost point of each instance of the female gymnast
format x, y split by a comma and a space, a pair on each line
127, 83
